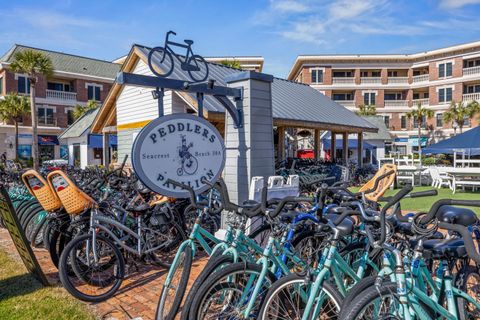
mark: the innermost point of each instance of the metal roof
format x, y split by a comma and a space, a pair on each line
70, 63
290, 100
80, 126
379, 122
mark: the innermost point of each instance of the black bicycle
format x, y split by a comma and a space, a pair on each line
160, 60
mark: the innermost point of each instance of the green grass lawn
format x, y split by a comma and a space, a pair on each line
424, 203
23, 297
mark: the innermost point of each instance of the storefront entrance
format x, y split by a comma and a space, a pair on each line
76, 155
46, 152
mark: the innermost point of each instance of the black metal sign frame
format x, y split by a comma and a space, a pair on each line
7, 213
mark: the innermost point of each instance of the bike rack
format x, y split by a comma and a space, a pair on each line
221, 93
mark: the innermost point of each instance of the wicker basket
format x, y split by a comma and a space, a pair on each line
41, 190
74, 200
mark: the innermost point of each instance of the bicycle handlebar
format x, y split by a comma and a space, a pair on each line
190, 190
467, 239
443, 202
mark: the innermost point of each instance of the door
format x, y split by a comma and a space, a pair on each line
76, 155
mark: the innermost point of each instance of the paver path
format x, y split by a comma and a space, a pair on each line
138, 296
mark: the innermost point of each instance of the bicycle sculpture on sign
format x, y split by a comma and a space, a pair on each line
194, 64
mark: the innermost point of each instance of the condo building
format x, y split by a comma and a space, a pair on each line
395, 83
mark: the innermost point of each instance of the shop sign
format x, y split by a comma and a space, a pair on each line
10, 220
414, 141
181, 147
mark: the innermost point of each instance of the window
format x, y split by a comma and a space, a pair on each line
369, 98
317, 75
342, 96
392, 73
444, 95
416, 96
45, 116
93, 92
386, 119
57, 86
439, 120
424, 123
342, 74
393, 96
70, 117
472, 89
375, 73
445, 70
403, 122
23, 84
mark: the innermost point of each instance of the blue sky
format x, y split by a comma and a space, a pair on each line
278, 30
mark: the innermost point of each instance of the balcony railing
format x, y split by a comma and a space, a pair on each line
61, 95
396, 103
420, 78
371, 80
471, 71
398, 80
346, 103
47, 121
424, 102
471, 97
343, 80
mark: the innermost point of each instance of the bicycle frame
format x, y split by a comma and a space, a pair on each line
176, 44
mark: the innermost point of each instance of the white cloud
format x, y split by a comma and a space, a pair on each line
288, 6
346, 9
454, 4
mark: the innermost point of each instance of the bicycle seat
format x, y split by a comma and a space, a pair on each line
189, 42
445, 249
343, 196
346, 227
457, 215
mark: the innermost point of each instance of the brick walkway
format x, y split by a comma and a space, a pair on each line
138, 296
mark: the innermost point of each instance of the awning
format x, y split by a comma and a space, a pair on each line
352, 144
467, 142
112, 140
95, 141
48, 140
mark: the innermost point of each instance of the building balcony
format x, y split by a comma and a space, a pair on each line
61, 95
371, 80
397, 80
343, 80
47, 121
346, 103
424, 102
420, 78
471, 71
396, 103
471, 96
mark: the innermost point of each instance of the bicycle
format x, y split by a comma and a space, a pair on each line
194, 64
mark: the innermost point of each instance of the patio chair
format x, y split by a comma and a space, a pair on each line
439, 180
383, 185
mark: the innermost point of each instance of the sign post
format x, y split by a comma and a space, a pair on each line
7, 213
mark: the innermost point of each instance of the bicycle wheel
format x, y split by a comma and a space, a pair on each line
175, 285
214, 264
201, 68
468, 280
93, 279
287, 299
168, 237
376, 302
226, 294
160, 62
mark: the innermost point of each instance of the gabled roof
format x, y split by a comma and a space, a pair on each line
293, 104
70, 63
80, 126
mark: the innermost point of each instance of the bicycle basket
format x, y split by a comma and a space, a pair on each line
74, 200
41, 190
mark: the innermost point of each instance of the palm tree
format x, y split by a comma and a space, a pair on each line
368, 110
231, 63
33, 64
12, 109
418, 115
81, 110
459, 112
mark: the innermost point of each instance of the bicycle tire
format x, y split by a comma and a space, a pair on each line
165, 53
214, 264
462, 282
211, 284
64, 270
204, 64
169, 314
297, 279
181, 236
